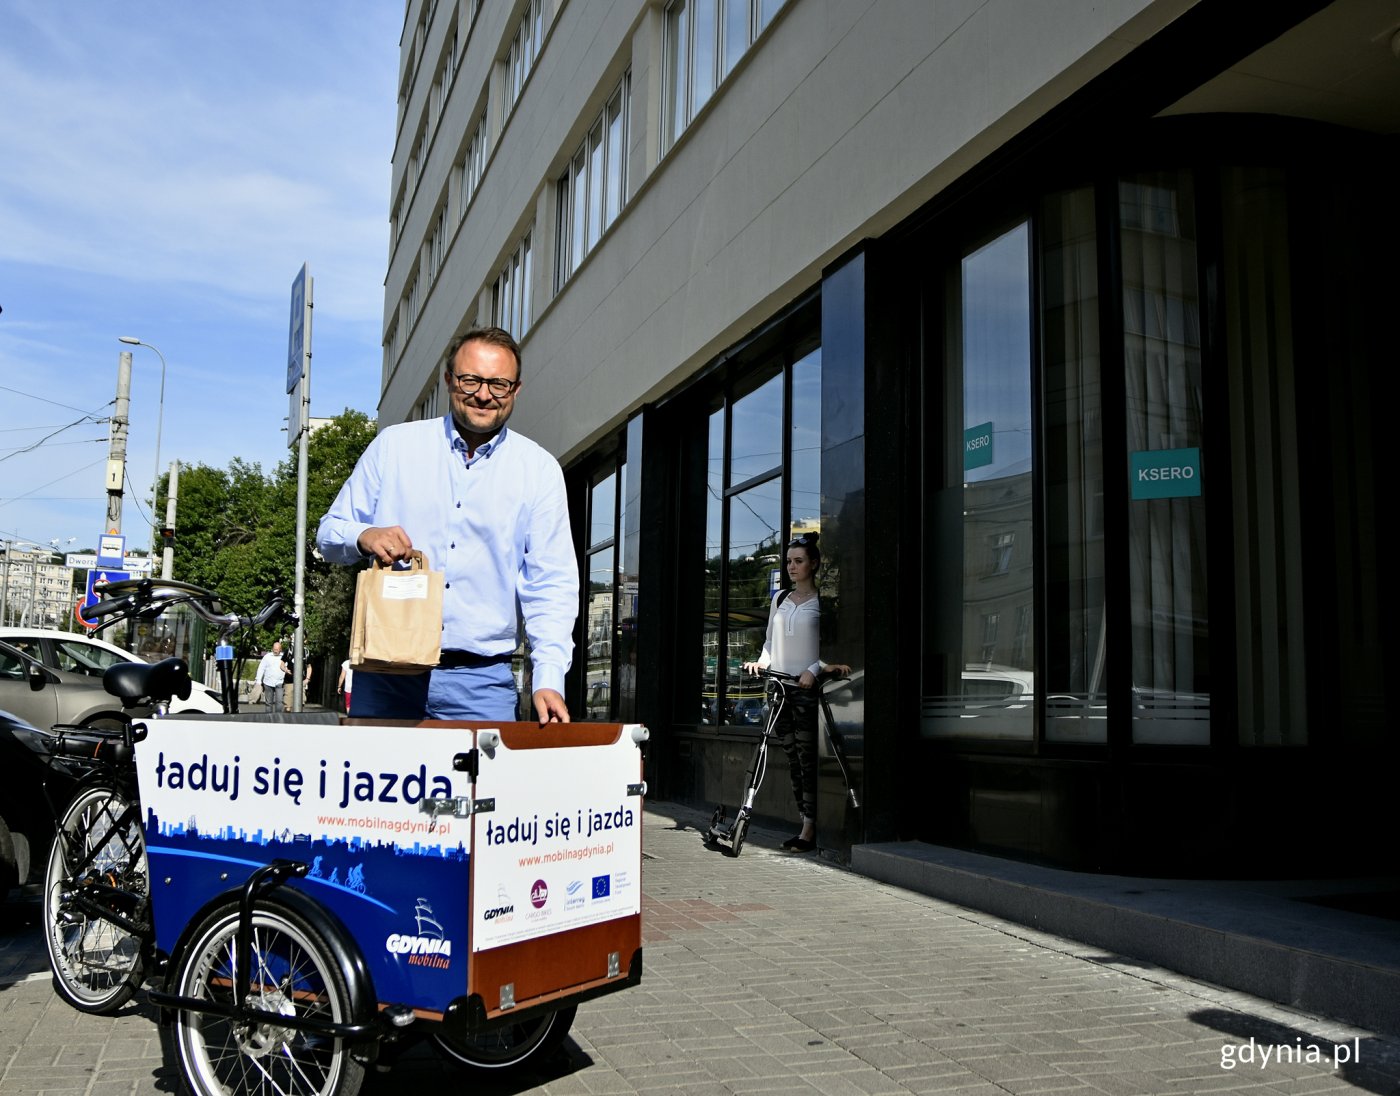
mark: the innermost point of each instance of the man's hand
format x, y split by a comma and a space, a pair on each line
550, 707
385, 543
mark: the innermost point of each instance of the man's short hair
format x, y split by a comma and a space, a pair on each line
494, 336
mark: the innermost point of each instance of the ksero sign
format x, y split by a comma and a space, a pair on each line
1165, 473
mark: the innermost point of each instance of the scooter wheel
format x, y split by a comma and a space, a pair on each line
736, 835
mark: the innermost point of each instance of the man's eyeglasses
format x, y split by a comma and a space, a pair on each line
467, 383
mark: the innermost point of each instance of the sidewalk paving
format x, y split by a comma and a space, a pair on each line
773, 974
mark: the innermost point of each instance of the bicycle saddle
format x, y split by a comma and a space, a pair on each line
133, 682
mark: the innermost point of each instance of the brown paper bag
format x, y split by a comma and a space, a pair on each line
397, 627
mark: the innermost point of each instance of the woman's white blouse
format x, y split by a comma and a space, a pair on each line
794, 633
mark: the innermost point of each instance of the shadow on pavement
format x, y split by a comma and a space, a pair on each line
1254, 1043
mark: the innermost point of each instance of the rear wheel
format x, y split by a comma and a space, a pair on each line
292, 973
96, 964
508, 1045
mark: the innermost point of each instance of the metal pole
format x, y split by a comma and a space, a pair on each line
167, 559
299, 661
5, 586
116, 456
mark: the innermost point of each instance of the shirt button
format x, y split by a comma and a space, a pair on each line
447, 585
459, 506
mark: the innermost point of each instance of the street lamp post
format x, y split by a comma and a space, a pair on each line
131, 340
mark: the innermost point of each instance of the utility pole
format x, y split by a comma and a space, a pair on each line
116, 455
5, 586
167, 560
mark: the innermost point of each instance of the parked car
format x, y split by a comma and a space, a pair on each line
68, 652
26, 814
42, 696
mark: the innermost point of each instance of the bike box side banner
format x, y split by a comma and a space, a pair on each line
529, 879
556, 862
220, 799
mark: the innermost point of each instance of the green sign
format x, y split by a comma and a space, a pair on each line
977, 446
1165, 473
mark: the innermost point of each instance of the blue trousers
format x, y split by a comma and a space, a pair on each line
461, 692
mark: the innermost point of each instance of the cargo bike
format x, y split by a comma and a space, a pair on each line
304, 900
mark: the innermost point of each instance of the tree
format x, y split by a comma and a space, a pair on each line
236, 531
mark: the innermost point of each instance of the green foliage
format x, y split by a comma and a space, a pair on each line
235, 531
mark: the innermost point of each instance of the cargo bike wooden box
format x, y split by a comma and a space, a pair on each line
324, 895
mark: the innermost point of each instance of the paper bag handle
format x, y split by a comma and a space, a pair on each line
416, 560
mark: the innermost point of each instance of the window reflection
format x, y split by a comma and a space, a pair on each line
1165, 411
757, 437
1076, 655
980, 680
598, 635
763, 477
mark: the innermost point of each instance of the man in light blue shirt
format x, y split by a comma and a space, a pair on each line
487, 507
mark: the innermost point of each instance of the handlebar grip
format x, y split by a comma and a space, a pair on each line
109, 607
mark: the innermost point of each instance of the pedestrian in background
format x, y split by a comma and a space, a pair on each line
287, 688
272, 671
342, 685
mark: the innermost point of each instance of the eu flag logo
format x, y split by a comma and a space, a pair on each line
602, 886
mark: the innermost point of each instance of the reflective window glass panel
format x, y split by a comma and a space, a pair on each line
979, 680
1170, 649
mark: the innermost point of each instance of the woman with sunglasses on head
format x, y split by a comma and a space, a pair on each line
790, 647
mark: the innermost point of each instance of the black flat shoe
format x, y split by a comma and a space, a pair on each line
791, 841
797, 844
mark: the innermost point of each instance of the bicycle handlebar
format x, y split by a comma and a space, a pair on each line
154, 596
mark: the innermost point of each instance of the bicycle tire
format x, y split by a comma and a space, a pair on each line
97, 966
508, 1045
293, 973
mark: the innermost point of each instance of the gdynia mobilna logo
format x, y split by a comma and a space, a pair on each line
427, 947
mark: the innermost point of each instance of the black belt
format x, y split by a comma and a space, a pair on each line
452, 660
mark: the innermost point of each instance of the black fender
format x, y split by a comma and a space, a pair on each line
345, 950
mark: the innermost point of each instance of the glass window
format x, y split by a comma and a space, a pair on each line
595, 185
604, 596
763, 480
616, 120
593, 189
675, 112
806, 442
598, 632
704, 41
1076, 649
703, 56
738, 27
979, 680
1170, 649
756, 443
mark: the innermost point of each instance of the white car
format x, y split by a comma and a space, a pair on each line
71, 653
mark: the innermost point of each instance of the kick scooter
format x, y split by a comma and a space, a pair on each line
781, 689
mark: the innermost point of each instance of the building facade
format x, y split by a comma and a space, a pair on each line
36, 588
1064, 324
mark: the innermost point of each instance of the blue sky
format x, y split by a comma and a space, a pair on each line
168, 167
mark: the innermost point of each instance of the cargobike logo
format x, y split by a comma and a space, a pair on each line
428, 946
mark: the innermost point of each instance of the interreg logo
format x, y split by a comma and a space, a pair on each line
539, 894
602, 886
574, 897
427, 945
